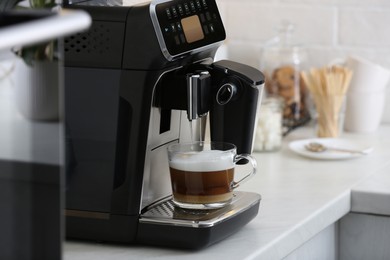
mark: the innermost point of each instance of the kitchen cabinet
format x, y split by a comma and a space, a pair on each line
364, 236
365, 232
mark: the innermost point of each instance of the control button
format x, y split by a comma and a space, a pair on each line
166, 29
204, 3
177, 40
225, 93
180, 8
208, 16
198, 4
174, 11
182, 38
173, 27
178, 26
186, 8
212, 29
202, 18
168, 12
193, 9
205, 29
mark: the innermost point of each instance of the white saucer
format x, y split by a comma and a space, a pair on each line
299, 148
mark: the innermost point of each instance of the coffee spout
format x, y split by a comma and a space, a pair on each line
198, 94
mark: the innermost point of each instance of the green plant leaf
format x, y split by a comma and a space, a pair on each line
40, 52
42, 3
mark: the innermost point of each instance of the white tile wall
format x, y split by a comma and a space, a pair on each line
329, 29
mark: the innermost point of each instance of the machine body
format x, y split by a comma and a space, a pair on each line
140, 79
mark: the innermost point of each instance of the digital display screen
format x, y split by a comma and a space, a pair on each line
187, 25
192, 29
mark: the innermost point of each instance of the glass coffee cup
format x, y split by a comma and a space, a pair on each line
202, 173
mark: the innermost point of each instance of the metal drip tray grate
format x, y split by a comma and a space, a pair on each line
164, 209
165, 212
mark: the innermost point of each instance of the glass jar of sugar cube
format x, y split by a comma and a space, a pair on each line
269, 127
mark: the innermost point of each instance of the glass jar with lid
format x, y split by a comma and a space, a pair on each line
282, 63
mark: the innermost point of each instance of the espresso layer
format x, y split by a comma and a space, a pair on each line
201, 183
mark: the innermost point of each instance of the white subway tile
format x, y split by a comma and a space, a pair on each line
360, 27
369, 3
322, 56
314, 25
244, 53
330, 29
222, 8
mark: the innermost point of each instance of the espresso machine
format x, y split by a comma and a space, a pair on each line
140, 79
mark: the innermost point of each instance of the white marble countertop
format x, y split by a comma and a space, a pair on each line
372, 196
300, 197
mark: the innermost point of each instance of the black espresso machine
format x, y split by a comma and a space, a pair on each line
139, 80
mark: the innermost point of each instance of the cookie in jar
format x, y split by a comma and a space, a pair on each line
285, 81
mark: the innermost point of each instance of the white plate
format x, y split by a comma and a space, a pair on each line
299, 148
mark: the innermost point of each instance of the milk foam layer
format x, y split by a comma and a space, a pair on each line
212, 160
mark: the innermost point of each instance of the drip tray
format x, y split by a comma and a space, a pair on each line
166, 213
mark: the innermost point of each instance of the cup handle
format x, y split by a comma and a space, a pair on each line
246, 177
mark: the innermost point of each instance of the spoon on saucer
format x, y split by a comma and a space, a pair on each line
319, 148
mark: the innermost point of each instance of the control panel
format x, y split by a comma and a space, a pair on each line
187, 25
